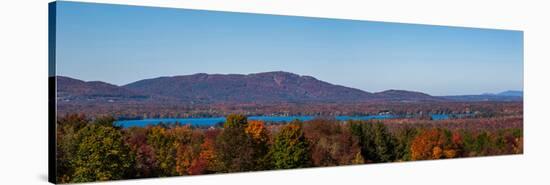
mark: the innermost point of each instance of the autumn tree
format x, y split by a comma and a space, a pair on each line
74, 121
164, 148
207, 161
454, 146
257, 131
290, 148
404, 138
436, 144
144, 155
101, 155
234, 147
427, 145
331, 143
358, 158
518, 145
515, 138
66, 144
187, 143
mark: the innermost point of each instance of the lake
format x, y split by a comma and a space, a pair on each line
449, 116
215, 120
202, 122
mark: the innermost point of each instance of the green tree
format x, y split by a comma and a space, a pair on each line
107, 121
290, 148
235, 120
404, 138
469, 141
482, 144
478, 144
384, 142
101, 155
377, 144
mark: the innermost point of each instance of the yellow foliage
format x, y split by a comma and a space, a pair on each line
257, 131
450, 153
437, 152
358, 159
518, 145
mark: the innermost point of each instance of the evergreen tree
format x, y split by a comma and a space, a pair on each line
290, 148
377, 144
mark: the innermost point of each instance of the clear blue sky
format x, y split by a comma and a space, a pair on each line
122, 44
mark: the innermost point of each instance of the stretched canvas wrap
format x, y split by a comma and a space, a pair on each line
146, 92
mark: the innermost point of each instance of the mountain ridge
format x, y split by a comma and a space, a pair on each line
78, 89
264, 87
275, 86
509, 95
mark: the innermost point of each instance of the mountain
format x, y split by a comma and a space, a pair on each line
503, 96
69, 89
511, 93
401, 95
267, 87
259, 87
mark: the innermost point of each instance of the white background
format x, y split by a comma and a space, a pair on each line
23, 91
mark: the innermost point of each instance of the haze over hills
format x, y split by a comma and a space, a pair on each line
268, 87
509, 95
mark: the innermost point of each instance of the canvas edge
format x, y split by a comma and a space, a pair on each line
52, 164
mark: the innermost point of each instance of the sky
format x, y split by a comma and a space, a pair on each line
123, 44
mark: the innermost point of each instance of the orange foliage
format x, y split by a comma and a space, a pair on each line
257, 131
450, 153
436, 144
518, 145
183, 160
427, 145
207, 160
185, 152
437, 152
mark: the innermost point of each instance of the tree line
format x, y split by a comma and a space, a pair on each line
422, 110
98, 150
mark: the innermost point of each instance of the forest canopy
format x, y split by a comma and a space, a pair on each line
98, 150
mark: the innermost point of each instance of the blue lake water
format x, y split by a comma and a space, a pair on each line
440, 116
215, 120
449, 116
